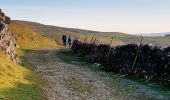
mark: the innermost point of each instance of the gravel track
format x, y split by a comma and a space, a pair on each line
72, 82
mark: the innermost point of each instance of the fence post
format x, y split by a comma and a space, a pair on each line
90, 43
92, 39
133, 66
109, 51
94, 42
85, 38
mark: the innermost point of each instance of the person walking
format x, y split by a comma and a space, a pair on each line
69, 41
64, 38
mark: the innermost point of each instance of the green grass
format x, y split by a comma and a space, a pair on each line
20, 82
34, 90
71, 58
114, 78
21, 92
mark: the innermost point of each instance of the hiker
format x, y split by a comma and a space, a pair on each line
69, 41
64, 38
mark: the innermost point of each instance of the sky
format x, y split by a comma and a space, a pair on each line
128, 16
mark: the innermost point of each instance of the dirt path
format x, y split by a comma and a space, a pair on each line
72, 82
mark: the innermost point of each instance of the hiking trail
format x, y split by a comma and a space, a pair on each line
73, 82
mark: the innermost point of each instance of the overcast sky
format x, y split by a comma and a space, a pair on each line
129, 16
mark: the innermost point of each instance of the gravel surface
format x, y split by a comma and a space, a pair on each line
72, 82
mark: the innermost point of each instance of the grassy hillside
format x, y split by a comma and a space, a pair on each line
26, 38
155, 40
55, 33
19, 82
45, 29
11, 73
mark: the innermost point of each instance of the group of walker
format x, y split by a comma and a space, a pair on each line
65, 40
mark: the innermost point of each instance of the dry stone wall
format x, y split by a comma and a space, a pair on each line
7, 38
152, 62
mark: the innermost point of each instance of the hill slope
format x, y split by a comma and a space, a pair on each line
55, 33
26, 38
18, 82
44, 29
156, 34
21, 81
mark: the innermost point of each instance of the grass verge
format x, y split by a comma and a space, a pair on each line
19, 82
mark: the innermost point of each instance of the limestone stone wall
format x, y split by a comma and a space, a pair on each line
7, 38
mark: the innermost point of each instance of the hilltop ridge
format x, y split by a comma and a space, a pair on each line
41, 28
55, 33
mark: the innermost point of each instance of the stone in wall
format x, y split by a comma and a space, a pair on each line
7, 38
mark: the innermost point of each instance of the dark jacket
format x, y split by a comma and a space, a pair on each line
64, 37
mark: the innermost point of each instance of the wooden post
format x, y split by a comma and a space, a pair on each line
92, 39
94, 42
133, 66
82, 46
79, 37
109, 51
85, 38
